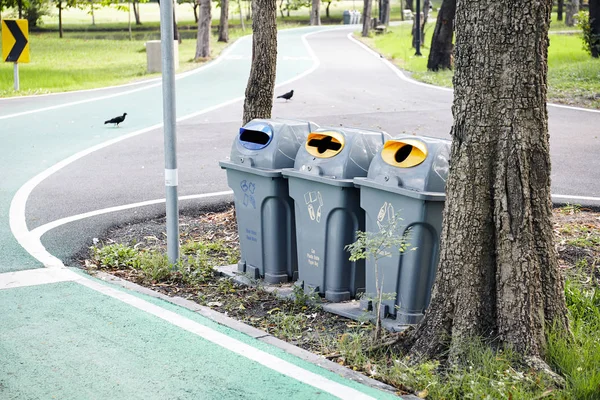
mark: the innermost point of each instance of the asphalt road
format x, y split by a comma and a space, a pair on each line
350, 87
73, 335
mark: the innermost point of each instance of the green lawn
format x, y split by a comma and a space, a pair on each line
573, 76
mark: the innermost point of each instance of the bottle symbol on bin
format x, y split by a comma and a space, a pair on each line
314, 199
386, 215
248, 188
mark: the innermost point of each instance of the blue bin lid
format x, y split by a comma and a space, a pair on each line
255, 135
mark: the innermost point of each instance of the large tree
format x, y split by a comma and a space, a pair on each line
315, 12
595, 27
203, 40
498, 275
366, 27
440, 53
224, 22
261, 83
572, 10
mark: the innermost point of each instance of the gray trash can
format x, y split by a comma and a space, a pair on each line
327, 205
407, 177
347, 17
264, 210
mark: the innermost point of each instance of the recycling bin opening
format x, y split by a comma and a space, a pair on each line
324, 144
404, 153
256, 138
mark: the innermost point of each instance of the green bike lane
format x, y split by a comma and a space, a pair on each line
83, 339
54, 128
86, 340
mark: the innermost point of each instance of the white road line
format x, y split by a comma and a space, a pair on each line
405, 78
568, 197
38, 232
245, 350
34, 277
151, 83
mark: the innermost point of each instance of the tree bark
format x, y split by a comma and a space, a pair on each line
195, 7
572, 10
595, 27
60, 27
327, 9
440, 54
261, 83
315, 13
559, 10
203, 41
366, 17
136, 13
498, 275
224, 22
409, 5
385, 12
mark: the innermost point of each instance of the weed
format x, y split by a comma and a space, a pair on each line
116, 256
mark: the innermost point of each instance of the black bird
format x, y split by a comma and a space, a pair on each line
287, 95
116, 120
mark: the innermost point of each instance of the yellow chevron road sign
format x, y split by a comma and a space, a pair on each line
15, 40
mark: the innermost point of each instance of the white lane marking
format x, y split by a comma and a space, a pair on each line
405, 78
38, 232
151, 83
245, 350
568, 197
34, 277
18, 224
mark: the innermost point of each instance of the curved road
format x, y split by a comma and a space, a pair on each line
71, 177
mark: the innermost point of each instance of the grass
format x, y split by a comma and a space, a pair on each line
59, 65
573, 76
486, 372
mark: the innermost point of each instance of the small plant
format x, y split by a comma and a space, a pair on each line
375, 246
303, 300
591, 42
116, 256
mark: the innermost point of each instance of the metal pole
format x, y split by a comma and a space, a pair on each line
169, 120
16, 76
418, 30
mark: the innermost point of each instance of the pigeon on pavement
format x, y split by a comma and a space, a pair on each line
287, 95
116, 120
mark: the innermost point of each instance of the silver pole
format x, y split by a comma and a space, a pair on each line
169, 120
16, 76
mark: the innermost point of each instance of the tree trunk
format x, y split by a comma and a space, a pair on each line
203, 41
440, 54
241, 16
559, 10
136, 12
327, 9
224, 22
281, 8
315, 13
60, 27
366, 17
259, 91
572, 10
498, 275
385, 12
20, 7
92, 12
409, 5
195, 7
595, 27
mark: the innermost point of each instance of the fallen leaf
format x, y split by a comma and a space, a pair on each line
422, 394
214, 304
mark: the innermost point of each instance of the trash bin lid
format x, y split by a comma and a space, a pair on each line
415, 163
339, 153
269, 143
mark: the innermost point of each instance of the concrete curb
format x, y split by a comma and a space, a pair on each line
252, 332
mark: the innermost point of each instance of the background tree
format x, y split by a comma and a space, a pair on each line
559, 10
572, 10
440, 53
261, 83
224, 22
409, 5
61, 5
385, 12
203, 40
424, 17
367, 17
315, 13
498, 275
594, 27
